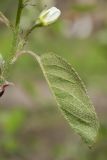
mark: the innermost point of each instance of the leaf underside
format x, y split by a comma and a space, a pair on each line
71, 96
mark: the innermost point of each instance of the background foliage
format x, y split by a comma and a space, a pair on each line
31, 126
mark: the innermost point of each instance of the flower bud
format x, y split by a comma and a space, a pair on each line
49, 16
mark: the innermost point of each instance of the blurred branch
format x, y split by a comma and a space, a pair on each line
5, 20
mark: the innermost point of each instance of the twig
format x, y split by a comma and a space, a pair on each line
24, 52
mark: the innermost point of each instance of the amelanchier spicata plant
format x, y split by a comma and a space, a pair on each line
64, 82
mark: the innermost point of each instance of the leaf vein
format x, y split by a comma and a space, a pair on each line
72, 96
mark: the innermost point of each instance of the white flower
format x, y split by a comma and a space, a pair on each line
49, 16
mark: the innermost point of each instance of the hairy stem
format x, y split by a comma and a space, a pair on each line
17, 28
16, 40
19, 11
30, 30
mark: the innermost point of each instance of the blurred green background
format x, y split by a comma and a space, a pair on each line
31, 126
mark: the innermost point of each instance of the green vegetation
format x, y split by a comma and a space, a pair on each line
31, 125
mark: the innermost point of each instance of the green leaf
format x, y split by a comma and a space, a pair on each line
71, 96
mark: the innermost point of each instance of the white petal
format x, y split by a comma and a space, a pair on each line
49, 16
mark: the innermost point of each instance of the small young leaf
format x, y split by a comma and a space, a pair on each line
71, 96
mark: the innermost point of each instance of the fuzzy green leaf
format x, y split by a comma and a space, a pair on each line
71, 96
